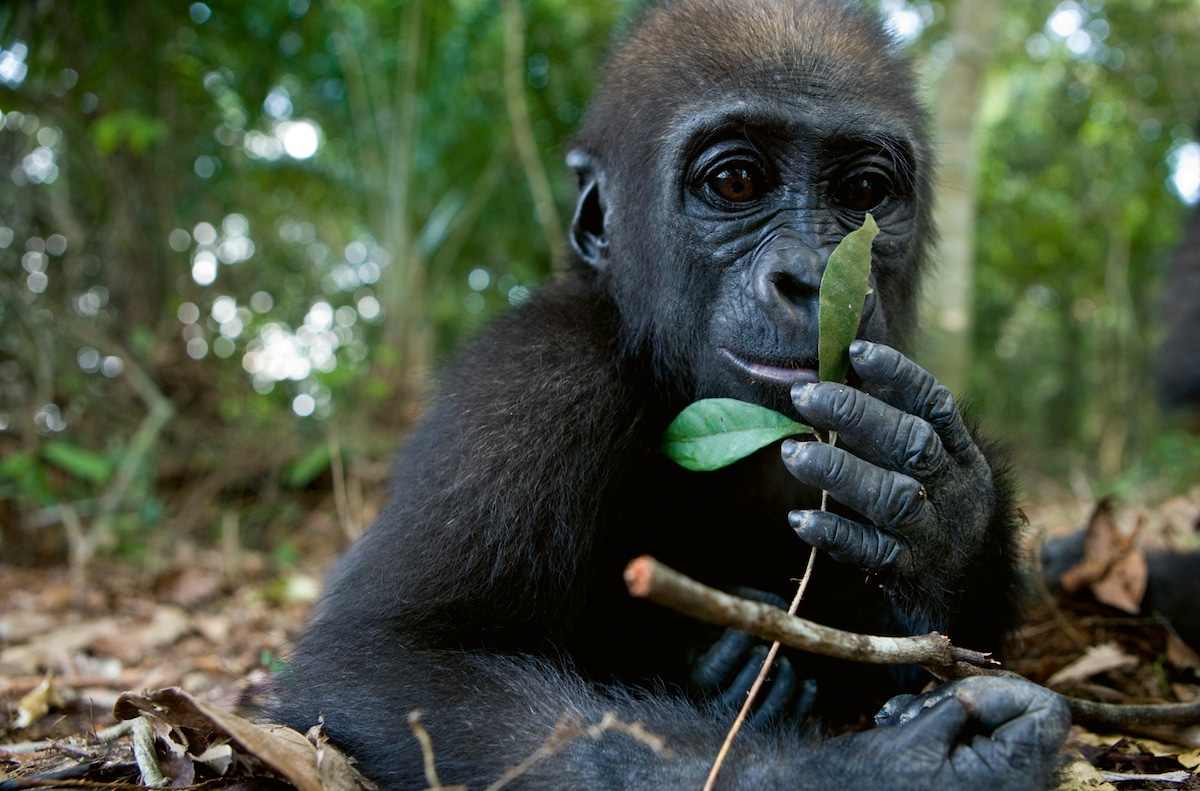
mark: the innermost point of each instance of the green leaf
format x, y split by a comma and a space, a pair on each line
715, 432
304, 470
78, 462
844, 288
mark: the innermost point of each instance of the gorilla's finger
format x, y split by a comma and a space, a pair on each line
724, 657
885, 498
877, 431
735, 693
846, 541
939, 726
890, 376
782, 685
1020, 712
897, 711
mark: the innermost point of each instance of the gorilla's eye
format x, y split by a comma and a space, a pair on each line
736, 184
862, 191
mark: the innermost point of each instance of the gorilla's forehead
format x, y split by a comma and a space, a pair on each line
820, 58
785, 117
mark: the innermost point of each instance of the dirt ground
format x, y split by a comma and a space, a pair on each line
216, 628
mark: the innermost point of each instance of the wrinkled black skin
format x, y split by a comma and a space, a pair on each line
489, 593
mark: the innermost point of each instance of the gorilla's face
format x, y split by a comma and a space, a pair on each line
719, 230
717, 174
765, 193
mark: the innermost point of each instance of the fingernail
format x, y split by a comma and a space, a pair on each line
789, 448
859, 348
798, 520
802, 391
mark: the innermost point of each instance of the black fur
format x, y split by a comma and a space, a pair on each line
489, 593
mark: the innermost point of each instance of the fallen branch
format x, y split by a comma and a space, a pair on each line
646, 578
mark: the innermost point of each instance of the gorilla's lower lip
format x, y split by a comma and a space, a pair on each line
781, 375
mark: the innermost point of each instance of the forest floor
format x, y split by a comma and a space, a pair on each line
217, 627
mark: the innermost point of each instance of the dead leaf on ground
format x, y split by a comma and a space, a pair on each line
1095, 660
1113, 566
36, 703
1075, 773
308, 764
1180, 654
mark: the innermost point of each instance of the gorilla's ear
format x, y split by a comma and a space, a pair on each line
589, 234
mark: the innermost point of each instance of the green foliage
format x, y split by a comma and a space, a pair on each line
843, 291
195, 242
77, 461
1075, 220
304, 470
23, 478
715, 432
1168, 464
127, 127
413, 222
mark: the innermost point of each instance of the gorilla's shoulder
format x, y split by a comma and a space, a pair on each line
571, 321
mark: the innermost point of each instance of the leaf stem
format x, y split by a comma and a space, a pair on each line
761, 678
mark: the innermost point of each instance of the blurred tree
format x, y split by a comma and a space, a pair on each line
948, 305
234, 236
278, 212
1076, 217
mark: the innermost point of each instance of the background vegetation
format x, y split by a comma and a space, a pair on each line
237, 237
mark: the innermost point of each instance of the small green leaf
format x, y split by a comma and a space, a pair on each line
843, 291
80, 463
302, 471
715, 432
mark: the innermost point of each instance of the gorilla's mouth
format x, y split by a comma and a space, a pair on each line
779, 373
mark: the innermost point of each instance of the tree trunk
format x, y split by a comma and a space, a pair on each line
947, 299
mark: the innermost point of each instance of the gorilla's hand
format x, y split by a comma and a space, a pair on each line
911, 470
982, 732
728, 668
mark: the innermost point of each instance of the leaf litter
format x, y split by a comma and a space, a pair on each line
65, 662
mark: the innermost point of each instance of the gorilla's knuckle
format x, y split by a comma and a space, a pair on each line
940, 407
923, 447
850, 409
844, 536
903, 501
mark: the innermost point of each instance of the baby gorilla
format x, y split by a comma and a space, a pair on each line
730, 147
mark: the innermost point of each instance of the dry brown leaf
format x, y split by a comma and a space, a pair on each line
1096, 659
1124, 583
307, 766
132, 642
1098, 540
45, 649
1179, 653
36, 703
1113, 566
1074, 773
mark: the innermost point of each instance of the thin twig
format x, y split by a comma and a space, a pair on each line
568, 728
767, 662
423, 738
761, 678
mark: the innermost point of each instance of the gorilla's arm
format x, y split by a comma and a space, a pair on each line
498, 491
938, 525
486, 713
457, 601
